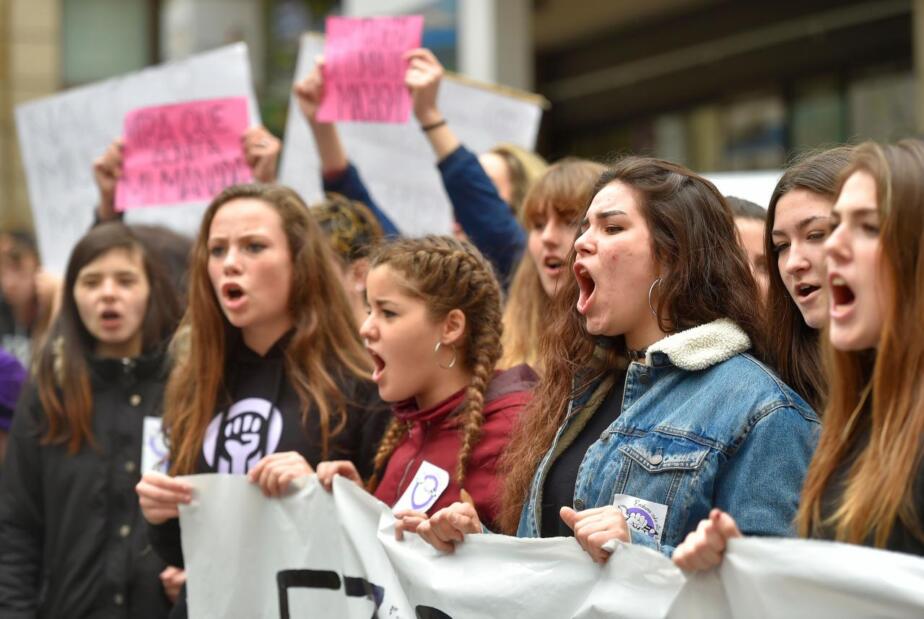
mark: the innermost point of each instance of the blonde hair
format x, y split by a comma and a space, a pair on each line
524, 168
879, 486
566, 188
448, 274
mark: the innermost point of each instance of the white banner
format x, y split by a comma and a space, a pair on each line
396, 161
316, 554
61, 135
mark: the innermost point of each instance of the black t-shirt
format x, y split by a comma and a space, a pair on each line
558, 489
901, 539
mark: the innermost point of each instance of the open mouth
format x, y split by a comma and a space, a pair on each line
232, 292
553, 265
841, 294
110, 317
379, 365
803, 291
587, 287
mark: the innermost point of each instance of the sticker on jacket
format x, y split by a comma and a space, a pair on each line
429, 483
645, 517
235, 441
153, 446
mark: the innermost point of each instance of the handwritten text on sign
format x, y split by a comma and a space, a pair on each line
180, 153
364, 68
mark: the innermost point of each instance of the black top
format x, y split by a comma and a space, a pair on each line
260, 414
558, 489
901, 539
72, 538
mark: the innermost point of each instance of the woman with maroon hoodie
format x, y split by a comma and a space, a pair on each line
433, 330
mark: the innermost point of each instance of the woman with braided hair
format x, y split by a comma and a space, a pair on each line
433, 331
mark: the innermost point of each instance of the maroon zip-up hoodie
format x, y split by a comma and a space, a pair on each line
435, 436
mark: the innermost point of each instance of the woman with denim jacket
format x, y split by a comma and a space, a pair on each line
865, 484
654, 407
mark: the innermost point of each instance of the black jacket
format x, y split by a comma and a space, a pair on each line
72, 539
261, 414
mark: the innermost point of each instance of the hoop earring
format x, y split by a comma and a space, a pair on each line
452, 363
656, 282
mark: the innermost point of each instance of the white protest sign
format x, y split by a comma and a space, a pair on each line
756, 186
61, 135
319, 554
396, 161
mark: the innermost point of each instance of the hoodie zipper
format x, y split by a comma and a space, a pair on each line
424, 427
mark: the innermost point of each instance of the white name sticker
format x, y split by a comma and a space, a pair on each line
646, 517
153, 446
428, 485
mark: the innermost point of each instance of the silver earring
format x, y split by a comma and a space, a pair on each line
656, 282
452, 363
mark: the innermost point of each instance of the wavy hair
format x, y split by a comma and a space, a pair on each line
325, 345
61, 372
564, 189
879, 486
706, 276
793, 347
448, 274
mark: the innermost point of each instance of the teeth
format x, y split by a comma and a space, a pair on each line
838, 281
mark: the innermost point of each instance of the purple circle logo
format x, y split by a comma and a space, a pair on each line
427, 487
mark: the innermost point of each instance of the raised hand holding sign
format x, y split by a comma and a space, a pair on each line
187, 152
364, 68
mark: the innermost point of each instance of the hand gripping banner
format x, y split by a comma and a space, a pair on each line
316, 554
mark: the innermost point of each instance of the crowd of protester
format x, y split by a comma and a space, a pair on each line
593, 340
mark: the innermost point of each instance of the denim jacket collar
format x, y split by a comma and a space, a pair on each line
700, 347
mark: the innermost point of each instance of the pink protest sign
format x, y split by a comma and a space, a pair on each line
364, 69
187, 152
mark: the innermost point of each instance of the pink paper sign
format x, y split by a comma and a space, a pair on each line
364, 69
187, 152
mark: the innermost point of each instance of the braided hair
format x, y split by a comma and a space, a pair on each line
448, 274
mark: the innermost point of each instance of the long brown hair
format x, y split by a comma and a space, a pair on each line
879, 490
564, 189
448, 274
793, 347
62, 374
706, 276
325, 345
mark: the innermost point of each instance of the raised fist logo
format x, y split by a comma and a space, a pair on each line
235, 441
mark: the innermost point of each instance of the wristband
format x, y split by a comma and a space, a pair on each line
432, 126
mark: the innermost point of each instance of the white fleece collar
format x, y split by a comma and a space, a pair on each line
703, 346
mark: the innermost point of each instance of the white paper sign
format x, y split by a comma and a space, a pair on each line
60, 136
154, 446
396, 161
428, 485
320, 554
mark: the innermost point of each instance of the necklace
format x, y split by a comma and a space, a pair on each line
636, 355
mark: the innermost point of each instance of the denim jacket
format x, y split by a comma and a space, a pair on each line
702, 425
